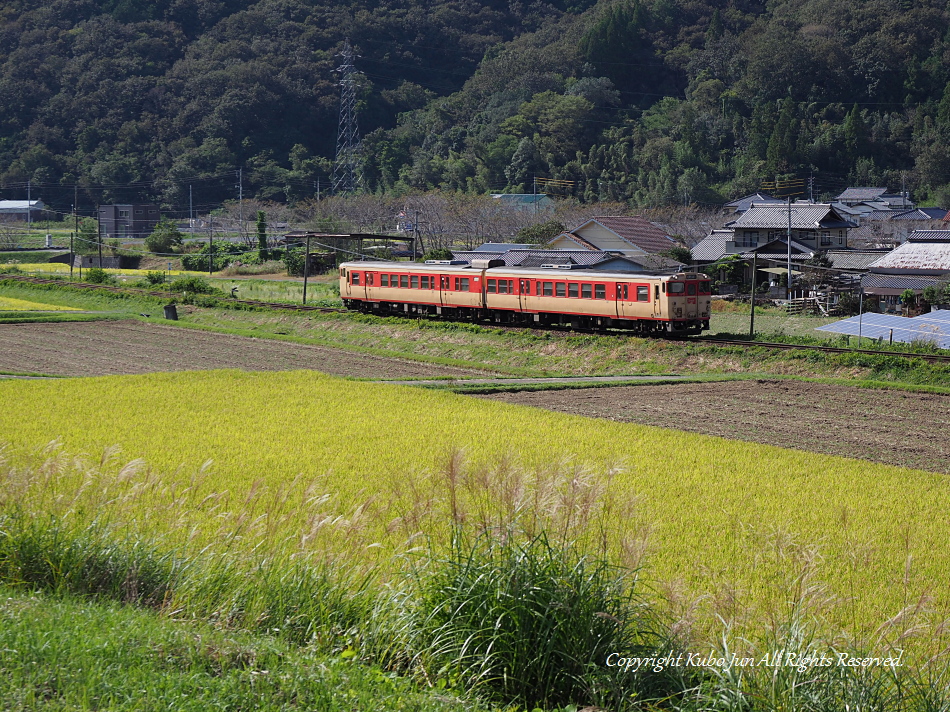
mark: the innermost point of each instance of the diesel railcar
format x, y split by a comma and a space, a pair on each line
583, 299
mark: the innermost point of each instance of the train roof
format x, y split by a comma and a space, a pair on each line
535, 272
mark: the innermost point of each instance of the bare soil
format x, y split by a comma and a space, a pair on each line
893, 427
123, 347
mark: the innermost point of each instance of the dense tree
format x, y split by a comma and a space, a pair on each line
667, 101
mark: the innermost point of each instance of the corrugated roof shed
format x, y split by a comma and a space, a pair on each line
639, 232
896, 283
913, 257
803, 217
20, 205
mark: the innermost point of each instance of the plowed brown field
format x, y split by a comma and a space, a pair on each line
894, 427
118, 347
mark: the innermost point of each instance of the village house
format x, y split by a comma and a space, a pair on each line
920, 262
633, 237
135, 220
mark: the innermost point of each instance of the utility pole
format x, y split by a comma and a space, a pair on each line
72, 257
306, 269
29, 206
75, 208
210, 245
788, 281
191, 213
755, 256
346, 168
318, 189
99, 234
240, 187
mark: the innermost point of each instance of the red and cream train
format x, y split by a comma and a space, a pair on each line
643, 303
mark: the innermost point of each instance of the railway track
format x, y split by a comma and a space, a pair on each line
933, 358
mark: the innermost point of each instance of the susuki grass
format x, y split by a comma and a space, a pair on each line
506, 581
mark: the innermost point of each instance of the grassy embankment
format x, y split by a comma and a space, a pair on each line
74, 653
511, 351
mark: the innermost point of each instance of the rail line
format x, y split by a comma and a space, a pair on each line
934, 358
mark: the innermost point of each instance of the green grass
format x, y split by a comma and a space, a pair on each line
321, 290
61, 653
511, 351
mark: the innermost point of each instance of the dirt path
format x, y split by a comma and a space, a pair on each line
118, 347
894, 427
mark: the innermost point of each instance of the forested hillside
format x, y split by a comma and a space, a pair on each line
670, 101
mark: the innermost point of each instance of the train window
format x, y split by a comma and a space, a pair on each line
585, 291
463, 284
572, 290
424, 281
704, 287
414, 281
676, 288
404, 280
600, 291
691, 289
548, 289
492, 286
560, 289
384, 280
643, 293
503, 286
355, 277
656, 292
369, 278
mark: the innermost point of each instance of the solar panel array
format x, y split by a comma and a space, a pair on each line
933, 327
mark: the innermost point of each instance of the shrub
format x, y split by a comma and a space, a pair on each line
155, 278
97, 275
164, 237
192, 284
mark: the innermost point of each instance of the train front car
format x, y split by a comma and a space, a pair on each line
687, 297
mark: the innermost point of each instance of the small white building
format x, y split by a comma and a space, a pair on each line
20, 210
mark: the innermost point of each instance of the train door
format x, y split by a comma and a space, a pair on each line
444, 282
623, 296
524, 291
346, 282
657, 307
691, 300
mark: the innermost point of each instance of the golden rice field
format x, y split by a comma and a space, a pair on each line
61, 268
302, 460
11, 304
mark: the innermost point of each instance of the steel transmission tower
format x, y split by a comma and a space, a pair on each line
346, 169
